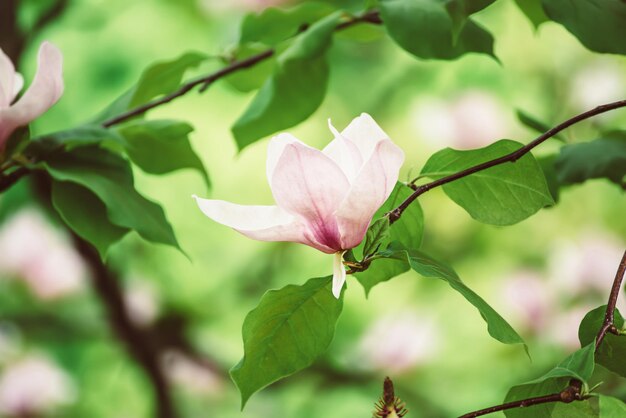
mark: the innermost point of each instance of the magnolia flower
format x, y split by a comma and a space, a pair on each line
325, 199
45, 91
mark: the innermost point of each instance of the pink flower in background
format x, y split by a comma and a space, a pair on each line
33, 386
32, 250
45, 91
325, 199
530, 299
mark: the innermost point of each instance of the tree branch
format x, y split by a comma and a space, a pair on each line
568, 395
609, 317
395, 214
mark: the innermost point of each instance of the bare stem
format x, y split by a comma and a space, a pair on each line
609, 317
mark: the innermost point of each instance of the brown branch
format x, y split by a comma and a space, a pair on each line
609, 317
10, 179
395, 214
568, 395
369, 17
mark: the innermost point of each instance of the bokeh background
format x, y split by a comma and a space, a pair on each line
58, 355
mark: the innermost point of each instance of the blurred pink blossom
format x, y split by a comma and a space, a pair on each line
529, 299
32, 386
188, 373
142, 302
475, 119
600, 82
399, 342
32, 250
563, 327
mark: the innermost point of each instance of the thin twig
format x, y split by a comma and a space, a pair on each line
395, 214
609, 317
570, 394
10, 179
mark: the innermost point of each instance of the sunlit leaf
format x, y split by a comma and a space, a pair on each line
286, 332
533, 11
611, 407
502, 195
377, 233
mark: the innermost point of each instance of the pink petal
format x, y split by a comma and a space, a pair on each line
45, 90
369, 191
7, 78
365, 133
339, 273
344, 153
310, 185
275, 151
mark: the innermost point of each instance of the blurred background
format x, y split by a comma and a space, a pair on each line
58, 354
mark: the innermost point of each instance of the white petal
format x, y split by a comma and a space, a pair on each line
308, 184
369, 191
275, 150
343, 152
18, 85
46, 89
339, 273
7, 78
365, 133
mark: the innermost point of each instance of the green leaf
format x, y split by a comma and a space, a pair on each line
397, 261
252, 78
611, 407
294, 91
425, 29
612, 351
376, 234
160, 78
582, 17
533, 11
501, 195
86, 215
547, 164
161, 146
601, 158
289, 329
460, 10
274, 25
535, 124
109, 177
579, 365
77, 137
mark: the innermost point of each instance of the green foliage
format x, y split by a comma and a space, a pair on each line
535, 124
579, 365
601, 158
161, 146
86, 215
611, 407
274, 25
582, 18
41, 146
286, 332
159, 79
377, 233
250, 79
425, 29
460, 10
294, 91
612, 351
395, 261
533, 11
502, 195
109, 177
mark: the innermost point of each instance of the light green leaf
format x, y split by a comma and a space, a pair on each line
294, 91
425, 29
110, 178
252, 78
601, 158
533, 11
161, 146
582, 17
502, 195
285, 333
86, 215
460, 10
274, 25
377, 233
612, 351
611, 407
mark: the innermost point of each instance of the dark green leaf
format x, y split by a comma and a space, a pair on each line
249, 79
16, 142
377, 233
86, 215
549, 171
396, 261
533, 11
294, 91
158, 79
425, 29
535, 124
611, 407
460, 10
502, 195
289, 329
579, 365
110, 178
612, 351
161, 146
582, 18
601, 158
274, 25
81, 136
